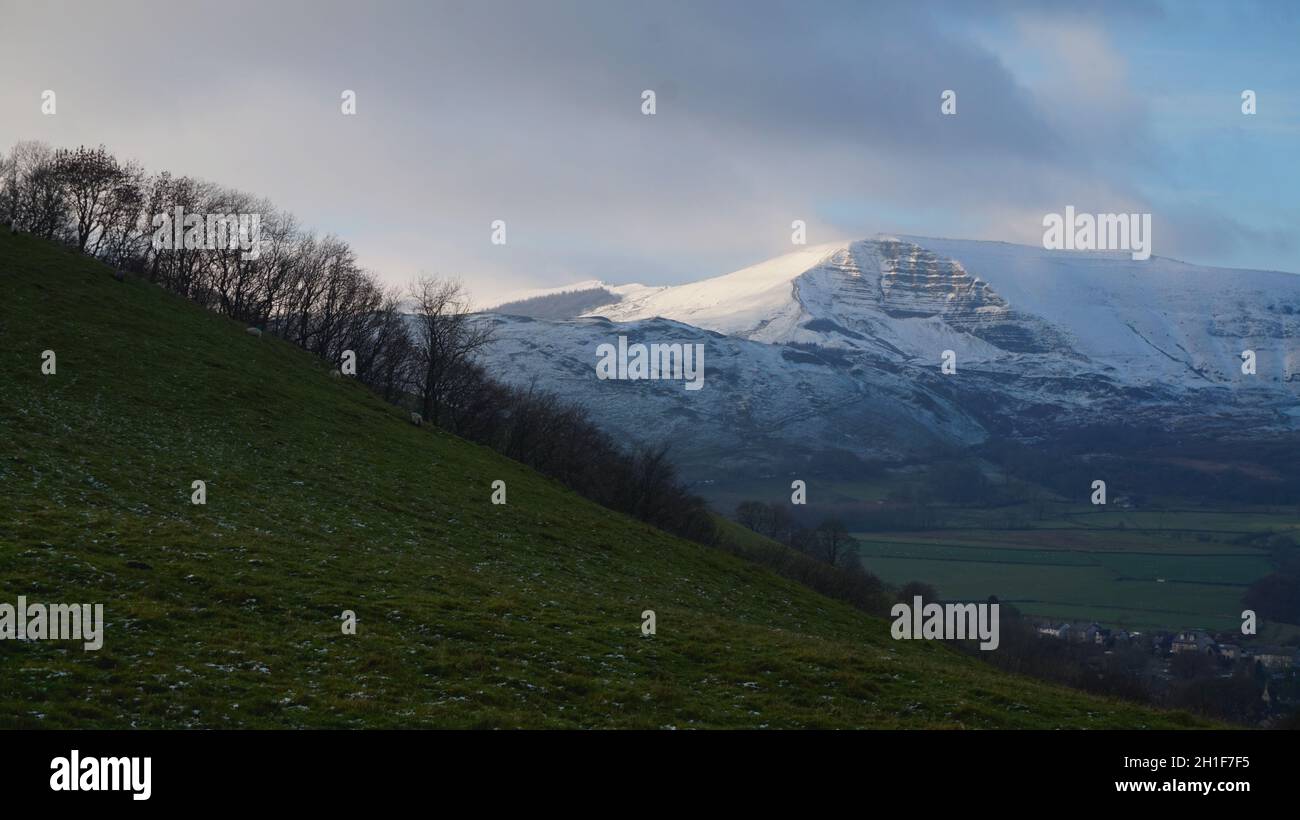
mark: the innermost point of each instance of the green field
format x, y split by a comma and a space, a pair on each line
1166, 569
1173, 567
725, 494
323, 499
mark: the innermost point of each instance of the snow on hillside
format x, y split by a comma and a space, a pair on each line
839, 346
735, 304
623, 291
1150, 320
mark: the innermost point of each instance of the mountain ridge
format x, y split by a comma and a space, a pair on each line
1043, 342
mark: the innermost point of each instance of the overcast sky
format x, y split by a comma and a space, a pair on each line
530, 112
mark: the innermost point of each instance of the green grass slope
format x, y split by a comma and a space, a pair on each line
320, 499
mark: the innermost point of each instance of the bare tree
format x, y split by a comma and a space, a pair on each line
389, 371
124, 234
755, 515
834, 542
281, 239
36, 201
446, 337
180, 268
89, 179
8, 190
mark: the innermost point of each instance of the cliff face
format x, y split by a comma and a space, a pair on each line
902, 280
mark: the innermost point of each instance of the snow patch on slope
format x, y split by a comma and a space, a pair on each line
737, 304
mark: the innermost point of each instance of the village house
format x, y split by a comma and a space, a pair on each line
1054, 630
1275, 658
1095, 634
1192, 642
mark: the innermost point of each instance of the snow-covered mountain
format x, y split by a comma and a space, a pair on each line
840, 346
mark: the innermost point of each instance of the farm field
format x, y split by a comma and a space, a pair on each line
1164, 569
1171, 566
724, 494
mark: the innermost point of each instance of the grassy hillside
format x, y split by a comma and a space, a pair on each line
320, 499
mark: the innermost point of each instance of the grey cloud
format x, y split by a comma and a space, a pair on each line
529, 112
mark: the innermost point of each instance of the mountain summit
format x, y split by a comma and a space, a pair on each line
1158, 319
846, 340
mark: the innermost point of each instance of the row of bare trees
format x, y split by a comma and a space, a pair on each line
415, 347
79, 196
829, 541
824, 558
304, 287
